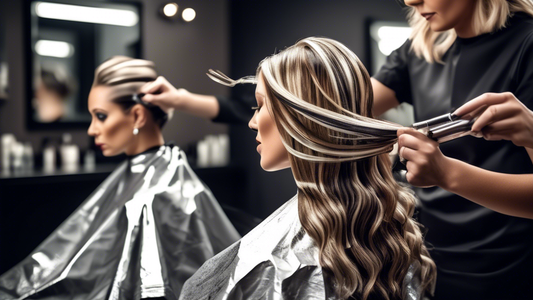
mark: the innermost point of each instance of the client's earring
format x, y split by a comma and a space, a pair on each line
135, 131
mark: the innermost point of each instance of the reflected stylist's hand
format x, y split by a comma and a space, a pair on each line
425, 163
163, 94
505, 118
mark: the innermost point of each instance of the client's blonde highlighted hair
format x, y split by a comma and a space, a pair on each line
489, 16
320, 97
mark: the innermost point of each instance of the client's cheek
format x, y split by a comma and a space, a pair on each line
266, 129
118, 135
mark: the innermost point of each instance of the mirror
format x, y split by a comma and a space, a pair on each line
68, 40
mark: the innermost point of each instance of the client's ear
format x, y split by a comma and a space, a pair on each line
140, 116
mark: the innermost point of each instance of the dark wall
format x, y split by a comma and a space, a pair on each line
262, 27
182, 52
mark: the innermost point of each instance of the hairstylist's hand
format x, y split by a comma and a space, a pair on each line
163, 94
505, 118
425, 163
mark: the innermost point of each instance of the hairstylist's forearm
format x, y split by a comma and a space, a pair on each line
384, 98
205, 106
162, 93
510, 194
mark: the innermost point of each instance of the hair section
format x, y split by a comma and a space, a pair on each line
320, 97
126, 76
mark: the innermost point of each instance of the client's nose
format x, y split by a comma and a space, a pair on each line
253, 123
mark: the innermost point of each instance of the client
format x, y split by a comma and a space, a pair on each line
348, 232
147, 228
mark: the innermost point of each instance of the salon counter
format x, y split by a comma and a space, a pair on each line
33, 204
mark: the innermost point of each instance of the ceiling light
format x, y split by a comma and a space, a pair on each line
109, 16
54, 48
188, 14
170, 10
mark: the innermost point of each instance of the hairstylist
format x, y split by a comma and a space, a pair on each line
459, 50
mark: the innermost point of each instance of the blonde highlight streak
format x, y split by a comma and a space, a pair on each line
347, 155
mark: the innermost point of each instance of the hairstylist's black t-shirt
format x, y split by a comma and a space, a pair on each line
480, 254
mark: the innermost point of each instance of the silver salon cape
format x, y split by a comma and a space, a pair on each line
276, 260
144, 231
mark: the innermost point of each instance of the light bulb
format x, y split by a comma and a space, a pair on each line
170, 9
188, 14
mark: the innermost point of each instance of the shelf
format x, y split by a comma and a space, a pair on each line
58, 175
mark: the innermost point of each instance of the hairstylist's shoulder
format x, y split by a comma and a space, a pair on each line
394, 74
396, 61
400, 56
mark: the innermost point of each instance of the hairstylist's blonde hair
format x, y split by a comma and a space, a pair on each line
348, 201
489, 16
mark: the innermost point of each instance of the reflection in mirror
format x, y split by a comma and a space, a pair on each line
3, 60
68, 40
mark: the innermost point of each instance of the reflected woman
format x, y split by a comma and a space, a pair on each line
53, 88
146, 228
349, 230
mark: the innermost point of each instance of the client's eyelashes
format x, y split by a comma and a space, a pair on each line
256, 108
100, 116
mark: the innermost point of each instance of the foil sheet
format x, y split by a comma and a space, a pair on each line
142, 233
276, 260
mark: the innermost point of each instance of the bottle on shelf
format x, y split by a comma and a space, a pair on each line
70, 154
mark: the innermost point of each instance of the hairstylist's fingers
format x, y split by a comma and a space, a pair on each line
492, 114
148, 98
502, 126
402, 131
409, 141
159, 85
153, 99
410, 131
148, 87
400, 152
408, 154
497, 136
409, 176
413, 172
505, 130
145, 87
481, 101
156, 99
412, 138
